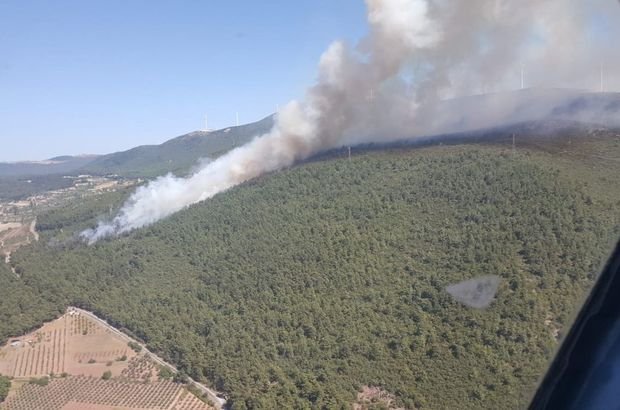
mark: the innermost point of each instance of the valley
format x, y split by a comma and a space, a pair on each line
18, 217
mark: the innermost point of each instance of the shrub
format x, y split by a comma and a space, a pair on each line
135, 347
165, 373
180, 377
42, 381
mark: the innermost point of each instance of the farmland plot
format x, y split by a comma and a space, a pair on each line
75, 352
72, 343
89, 393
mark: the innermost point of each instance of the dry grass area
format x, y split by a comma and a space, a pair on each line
374, 397
81, 350
72, 343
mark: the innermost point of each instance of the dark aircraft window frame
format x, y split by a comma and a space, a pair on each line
585, 373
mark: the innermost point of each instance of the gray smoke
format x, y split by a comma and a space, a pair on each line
417, 54
477, 293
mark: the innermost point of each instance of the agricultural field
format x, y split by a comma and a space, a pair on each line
75, 363
72, 343
88, 393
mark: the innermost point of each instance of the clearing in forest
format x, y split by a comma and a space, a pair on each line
14, 234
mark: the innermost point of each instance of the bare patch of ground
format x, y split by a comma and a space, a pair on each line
8, 226
555, 328
14, 234
89, 406
32, 229
375, 397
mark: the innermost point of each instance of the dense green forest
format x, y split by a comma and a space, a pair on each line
297, 288
72, 217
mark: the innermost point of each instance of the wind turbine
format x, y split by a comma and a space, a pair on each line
371, 95
237, 118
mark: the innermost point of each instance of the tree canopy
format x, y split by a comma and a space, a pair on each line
298, 288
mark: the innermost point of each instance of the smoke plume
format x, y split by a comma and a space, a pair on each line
395, 82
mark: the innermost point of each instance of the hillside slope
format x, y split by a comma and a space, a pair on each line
299, 288
177, 155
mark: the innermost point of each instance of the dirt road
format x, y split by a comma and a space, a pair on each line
33, 230
217, 401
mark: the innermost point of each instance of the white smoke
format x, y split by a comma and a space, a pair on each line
417, 53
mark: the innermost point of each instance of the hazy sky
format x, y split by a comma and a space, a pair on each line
101, 76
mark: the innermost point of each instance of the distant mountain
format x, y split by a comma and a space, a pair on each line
487, 111
459, 115
58, 165
177, 155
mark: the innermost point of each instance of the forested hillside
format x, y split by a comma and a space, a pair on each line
177, 155
296, 289
12, 188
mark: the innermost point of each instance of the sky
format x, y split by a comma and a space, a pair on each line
93, 77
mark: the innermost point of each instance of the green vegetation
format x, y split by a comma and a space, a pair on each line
180, 377
57, 166
134, 346
12, 188
192, 388
5, 386
296, 289
78, 215
107, 375
19, 314
165, 373
39, 381
177, 155
91, 361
